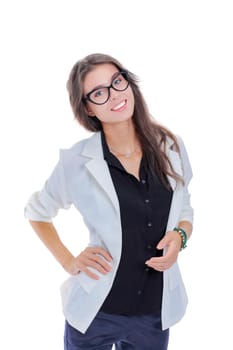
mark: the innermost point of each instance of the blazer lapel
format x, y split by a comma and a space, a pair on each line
99, 168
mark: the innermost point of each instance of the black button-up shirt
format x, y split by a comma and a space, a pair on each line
144, 208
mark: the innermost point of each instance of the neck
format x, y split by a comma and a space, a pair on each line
121, 137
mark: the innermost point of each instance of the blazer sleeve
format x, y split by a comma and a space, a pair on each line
187, 210
44, 205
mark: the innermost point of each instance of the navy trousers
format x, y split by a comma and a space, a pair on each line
125, 332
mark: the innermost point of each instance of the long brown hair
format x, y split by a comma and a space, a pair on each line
152, 135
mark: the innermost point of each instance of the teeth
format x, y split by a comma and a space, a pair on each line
119, 106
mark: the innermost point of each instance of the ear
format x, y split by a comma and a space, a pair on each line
89, 112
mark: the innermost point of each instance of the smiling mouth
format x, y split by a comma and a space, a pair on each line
120, 106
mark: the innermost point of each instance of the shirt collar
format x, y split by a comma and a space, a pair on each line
109, 157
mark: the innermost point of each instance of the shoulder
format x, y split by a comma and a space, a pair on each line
175, 144
187, 169
76, 149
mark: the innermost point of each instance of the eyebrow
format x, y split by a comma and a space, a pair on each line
102, 85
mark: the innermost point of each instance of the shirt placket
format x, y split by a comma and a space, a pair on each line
144, 187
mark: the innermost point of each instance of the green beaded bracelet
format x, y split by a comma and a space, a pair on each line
183, 236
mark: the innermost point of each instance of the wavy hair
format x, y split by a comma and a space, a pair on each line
151, 134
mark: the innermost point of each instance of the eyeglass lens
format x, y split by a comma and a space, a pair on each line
101, 95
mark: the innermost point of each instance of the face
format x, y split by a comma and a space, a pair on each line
120, 105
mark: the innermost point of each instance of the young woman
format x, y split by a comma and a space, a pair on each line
129, 181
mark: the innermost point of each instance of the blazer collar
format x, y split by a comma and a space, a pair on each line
98, 167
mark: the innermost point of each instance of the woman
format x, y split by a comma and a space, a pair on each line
129, 181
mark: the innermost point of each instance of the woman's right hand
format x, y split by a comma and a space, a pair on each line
95, 257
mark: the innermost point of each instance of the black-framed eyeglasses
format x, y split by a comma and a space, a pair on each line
100, 95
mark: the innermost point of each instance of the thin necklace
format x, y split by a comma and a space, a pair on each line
126, 155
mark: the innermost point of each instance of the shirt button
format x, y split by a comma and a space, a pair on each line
147, 200
143, 181
139, 292
149, 247
149, 224
147, 269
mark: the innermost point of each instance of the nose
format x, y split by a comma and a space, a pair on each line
113, 93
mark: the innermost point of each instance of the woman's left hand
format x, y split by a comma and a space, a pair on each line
172, 241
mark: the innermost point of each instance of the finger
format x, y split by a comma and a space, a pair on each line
164, 262
162, 244
157, 267
159, 264
102, 263
99, 265
103, 252
157, 260
99, 259
100, 256
94, 260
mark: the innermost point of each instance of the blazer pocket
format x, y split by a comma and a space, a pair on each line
72, 284
68, 289
86, 282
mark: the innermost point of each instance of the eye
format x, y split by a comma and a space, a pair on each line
118, 80
98, 93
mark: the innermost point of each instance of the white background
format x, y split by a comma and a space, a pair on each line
182, 51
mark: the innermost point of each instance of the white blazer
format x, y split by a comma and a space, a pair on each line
82, 178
